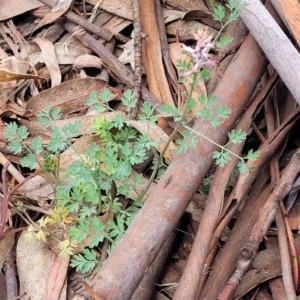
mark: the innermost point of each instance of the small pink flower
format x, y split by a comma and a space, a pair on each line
200, 53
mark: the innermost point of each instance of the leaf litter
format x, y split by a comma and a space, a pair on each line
47, 66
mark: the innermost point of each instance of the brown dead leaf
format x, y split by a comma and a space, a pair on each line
127, 56
70, 95
87, 61
172, 15
187, 5
9, 8
34, 261
37, 188
204, 17
6, 76
12, 73
185, 29
65, 54
50, 60
116, 24
6, 246
12, 37
152, 55
58, 10
121, 8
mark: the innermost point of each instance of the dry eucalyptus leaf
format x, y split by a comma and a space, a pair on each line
9, 9
39, 262
6, 245
121, 8
202, 16
50, 60
37, 188
65, 54
6, 76
172, 15
127, 56
116, 24
87, 61
187, 5
58, 10
185, 29
70, 95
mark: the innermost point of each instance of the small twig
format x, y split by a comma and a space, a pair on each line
101, 32
260, 229
84, 9
285, 257
6, 196
138, 71
285, 235
4, 200
10, 276
104, 248
121, 71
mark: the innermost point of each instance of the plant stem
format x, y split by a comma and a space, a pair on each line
208, 139
176, 129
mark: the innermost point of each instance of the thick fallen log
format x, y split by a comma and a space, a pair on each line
278, 48
125, 267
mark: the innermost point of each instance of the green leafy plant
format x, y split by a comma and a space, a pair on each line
85, 261
87, 192
87, 189
219, 14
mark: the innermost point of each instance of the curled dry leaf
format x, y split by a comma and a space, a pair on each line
50, 60
202, 16
172, 15
127, 56
9, 9
58, 10
87, 61
65, 54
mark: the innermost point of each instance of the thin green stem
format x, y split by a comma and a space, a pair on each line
172, 136
210, 140
108, 237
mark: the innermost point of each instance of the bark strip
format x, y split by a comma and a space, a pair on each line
277, 47
262, 225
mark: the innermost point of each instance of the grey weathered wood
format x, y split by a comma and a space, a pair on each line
278, 48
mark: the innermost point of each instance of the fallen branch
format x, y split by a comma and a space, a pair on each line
190, 279
262, 225
125, 267
277, 47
